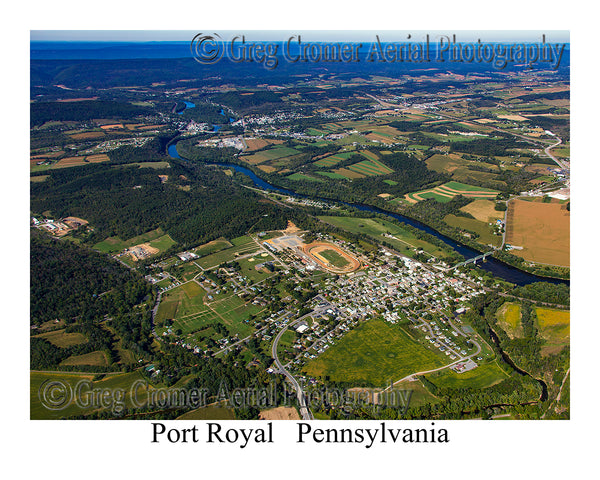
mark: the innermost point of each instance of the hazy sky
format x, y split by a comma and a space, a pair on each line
309, 35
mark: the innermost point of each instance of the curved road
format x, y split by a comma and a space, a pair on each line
304, 410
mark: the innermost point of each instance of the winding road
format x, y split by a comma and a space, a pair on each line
304, 410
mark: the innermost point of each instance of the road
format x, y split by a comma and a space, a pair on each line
558, 162
304, 410
557, 399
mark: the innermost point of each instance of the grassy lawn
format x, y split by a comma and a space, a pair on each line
481, 377
373, 354
334, 258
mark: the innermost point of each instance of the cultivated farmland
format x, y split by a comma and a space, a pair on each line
542, 229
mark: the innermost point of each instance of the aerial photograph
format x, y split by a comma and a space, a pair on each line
299, 225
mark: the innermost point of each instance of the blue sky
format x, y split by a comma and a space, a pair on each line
310, 35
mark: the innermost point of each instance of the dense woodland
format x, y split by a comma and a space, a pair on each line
42, 112
72, 283
126, 201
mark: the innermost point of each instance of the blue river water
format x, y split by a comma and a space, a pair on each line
187, 105
499, 269
216, 128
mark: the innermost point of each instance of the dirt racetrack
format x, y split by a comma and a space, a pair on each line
315, 249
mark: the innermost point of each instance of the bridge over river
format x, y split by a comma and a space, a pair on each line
472, 260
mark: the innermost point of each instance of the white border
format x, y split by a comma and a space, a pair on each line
489, 450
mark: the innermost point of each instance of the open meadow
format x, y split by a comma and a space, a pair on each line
373, 354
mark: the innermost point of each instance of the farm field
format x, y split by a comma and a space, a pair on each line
333, 159
542, 229
373, 354
404, 239
370, 168
258, 143
447, 191
326, 174
483, 210
274, 153
348, 173
509, 318
301, 176
458, 167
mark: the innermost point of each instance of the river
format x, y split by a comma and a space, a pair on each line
499, 269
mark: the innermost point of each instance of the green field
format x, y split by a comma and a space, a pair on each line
211, 247
373, 354
39, 381
62, 339
186, 306
419, 394
332, 175
301, 176
485, 232
157, 238
333, 159
427, 194
270, 154
154, 165
248, 267
376, 227
241, 245
163, 242
370, 168
481, 377
334, 258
